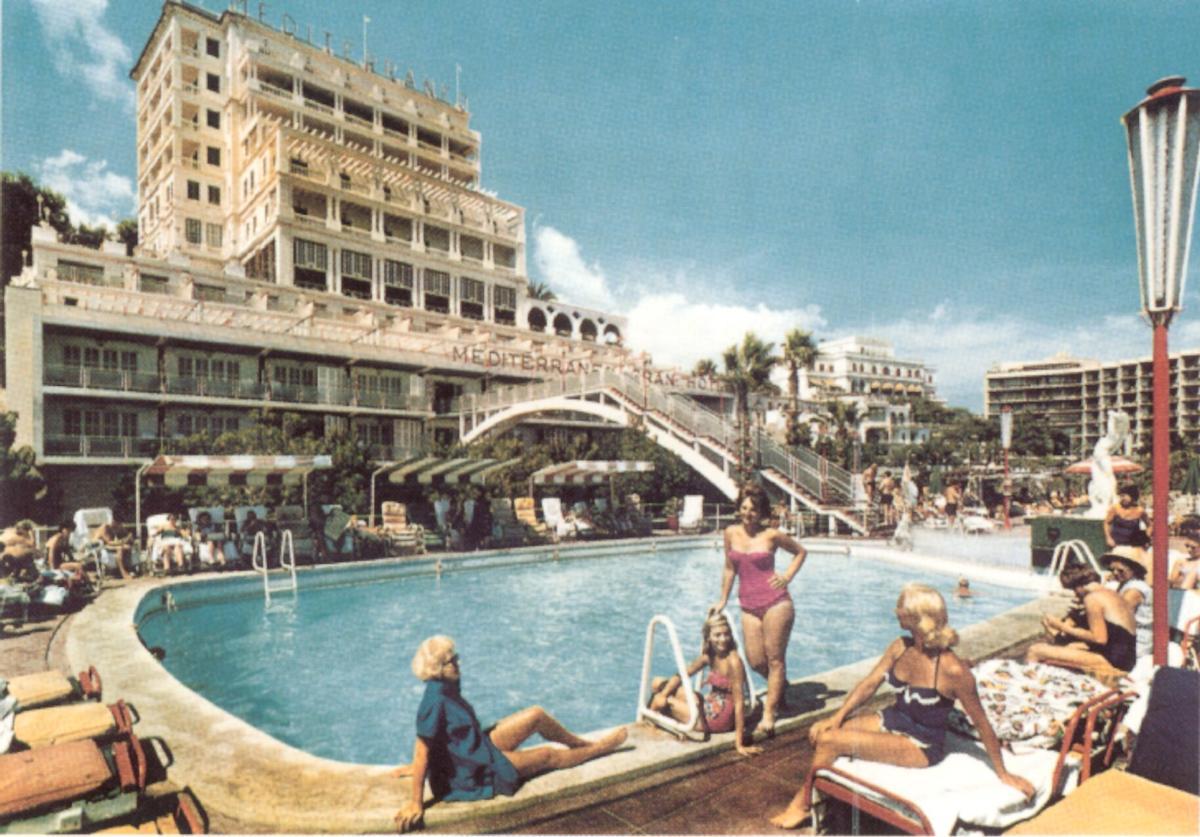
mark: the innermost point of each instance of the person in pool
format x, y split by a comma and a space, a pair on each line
929, 678
767, 610
1107, 638
464, 762
723, 708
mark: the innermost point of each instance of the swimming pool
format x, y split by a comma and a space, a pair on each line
328, 671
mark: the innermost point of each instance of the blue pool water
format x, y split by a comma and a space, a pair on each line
328, 671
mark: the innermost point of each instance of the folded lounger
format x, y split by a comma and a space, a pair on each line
47, 688
175, 813
71, 787
71, 722
1160, 792
962, 792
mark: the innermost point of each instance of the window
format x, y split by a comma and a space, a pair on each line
214, 156
84, 274
437, 282
91, 358
504, 297
356, 264
193, 190
213, 118
214, 233
504, 256
214, 82
192, 230
108, 359
72, 356
214, 195
473, 295
397, 283
148, 284
437, 238
213, 47
472, 248
209, 293
310, 254
72, 423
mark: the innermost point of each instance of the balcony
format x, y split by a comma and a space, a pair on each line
120, 447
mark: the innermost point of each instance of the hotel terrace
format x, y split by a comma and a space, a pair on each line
313, 237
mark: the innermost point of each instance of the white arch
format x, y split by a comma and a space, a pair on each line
712, 472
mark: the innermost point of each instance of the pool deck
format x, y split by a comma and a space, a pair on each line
251, 782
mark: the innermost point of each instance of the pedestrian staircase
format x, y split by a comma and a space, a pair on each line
702, 438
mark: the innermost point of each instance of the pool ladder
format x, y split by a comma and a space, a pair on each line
1073, 549
686, 729
287, 561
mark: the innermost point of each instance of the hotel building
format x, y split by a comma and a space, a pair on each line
313, 237
1074, 396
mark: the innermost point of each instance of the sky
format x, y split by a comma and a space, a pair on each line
949, 176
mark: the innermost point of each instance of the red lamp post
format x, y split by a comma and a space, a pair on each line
1006, 419
1163, 133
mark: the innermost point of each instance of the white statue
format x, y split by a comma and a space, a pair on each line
1102, 490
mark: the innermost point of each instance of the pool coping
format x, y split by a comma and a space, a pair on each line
245, 774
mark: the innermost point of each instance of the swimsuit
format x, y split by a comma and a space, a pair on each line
1125, 531
920, 713
718, 703
755, 593
1121, 648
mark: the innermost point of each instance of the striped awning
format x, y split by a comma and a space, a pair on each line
588, 472
427, 470
178, 471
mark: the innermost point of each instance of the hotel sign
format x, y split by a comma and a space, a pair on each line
538, 363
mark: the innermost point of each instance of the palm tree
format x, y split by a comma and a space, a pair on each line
541, 291
799, 352
748, 371
845, 417
705, 368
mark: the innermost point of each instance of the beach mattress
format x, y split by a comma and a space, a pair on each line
60, 724
33, 779
47, 687
1118, 802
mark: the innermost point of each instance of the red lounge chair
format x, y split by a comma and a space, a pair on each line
47, 688
72, 722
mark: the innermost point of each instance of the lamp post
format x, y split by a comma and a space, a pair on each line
1006, 418
1163, 133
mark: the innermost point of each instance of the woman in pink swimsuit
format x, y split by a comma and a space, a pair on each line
767, 612
723, 705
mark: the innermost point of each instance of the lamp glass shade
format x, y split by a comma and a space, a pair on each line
1163, 134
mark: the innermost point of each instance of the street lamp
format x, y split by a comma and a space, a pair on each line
1006, 418
1163, 133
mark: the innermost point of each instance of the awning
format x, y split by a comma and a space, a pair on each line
588, 472
178, 471
428, 470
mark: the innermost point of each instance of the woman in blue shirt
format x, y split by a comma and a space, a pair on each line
464, 762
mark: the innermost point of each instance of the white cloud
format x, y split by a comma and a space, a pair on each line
94, 194
85, 49
559, 261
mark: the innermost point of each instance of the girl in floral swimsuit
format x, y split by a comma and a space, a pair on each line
723, 706
767, 612
911, 732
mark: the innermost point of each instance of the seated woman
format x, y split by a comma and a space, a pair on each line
911, 732
723, 707
171, 538
460, 759
1107, 639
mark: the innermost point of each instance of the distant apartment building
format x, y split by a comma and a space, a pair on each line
1074, 395
313, 237
867, 366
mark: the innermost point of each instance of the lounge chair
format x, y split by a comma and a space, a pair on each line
962, 791
71, 787
525, 509
157, 543
71, 722
87, 548
585, 525
403, 538
290, 518
49, 688
1160, 792
552, 513
506, 530
691, 519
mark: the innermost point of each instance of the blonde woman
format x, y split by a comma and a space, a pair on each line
929, 678
464, 762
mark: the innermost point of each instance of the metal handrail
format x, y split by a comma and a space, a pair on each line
688, 727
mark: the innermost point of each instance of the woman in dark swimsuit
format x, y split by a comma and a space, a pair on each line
911, 732
767, 612
1109, 637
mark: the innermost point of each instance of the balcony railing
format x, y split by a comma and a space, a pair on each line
124, 447
91, 378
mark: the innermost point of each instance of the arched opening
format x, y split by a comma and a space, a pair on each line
562, 325
612, 335
587, 331
536, 319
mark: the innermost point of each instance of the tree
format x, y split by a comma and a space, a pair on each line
24, 491
541, 291
705, 368
799, 352
748, 372
127, 234
19, 214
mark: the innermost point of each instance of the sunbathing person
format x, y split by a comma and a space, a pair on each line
1109, 636
723, 708
116, 540
464, 763
19, 558
911, 732
171, 537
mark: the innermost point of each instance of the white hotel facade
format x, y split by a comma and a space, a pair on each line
313, 237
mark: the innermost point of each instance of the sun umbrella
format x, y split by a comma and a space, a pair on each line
1120, 465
